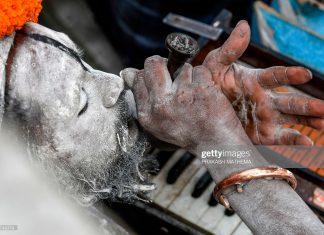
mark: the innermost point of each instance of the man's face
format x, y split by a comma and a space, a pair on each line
76, 116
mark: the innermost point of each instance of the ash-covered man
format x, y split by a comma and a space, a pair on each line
79, 121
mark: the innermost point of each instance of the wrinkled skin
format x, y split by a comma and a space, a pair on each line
50, 103
261, 110
195, 112
73, 117
186, 112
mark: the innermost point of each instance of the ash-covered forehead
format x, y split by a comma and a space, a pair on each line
45, 69
55, 39
33, 28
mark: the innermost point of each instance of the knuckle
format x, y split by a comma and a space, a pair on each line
306, 108
291, 104
153, 59
184, 97
160, 109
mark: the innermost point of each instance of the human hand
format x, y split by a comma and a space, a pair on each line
187, 112
261, 110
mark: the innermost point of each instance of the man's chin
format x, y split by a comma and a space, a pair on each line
125, 179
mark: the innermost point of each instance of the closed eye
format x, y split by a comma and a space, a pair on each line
83, 102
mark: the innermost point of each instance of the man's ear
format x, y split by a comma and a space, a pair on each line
5, 46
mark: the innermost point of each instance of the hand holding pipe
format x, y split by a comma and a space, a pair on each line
181, 48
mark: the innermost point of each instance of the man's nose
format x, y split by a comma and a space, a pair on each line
109, 86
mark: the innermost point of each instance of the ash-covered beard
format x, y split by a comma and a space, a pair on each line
125, 179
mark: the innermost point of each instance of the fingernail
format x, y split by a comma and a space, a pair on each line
311, 142
304, 141
240, 22
309, 74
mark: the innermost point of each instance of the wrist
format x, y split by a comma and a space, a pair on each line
231, 140
265, 200
224, 160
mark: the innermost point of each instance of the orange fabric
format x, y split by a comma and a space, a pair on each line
15, 13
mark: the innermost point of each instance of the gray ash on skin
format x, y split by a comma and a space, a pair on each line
182, 43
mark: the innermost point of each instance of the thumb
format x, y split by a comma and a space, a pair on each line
129, 76
231, 50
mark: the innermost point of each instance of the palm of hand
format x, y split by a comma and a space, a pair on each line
261, 110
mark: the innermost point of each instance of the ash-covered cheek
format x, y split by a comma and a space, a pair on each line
84, 146
62, 110
99, 136
91, 135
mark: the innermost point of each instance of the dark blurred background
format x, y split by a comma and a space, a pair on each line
122, 33
135, 27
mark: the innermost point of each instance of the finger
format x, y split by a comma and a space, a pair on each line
278, 76
140, 91
291, 103
184, 78
287, 136
128, 75
156, 75
202, 77
316, 123
231, 50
